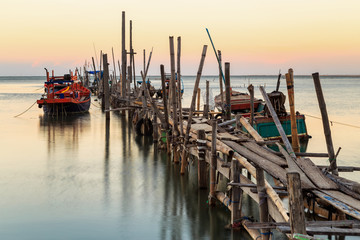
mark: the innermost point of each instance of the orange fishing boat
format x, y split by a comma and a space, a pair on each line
64, 94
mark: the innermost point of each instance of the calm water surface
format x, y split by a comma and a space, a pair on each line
68, 178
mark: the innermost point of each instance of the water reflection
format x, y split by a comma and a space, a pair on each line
106, 163
63, 130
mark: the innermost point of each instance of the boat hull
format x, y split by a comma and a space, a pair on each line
66, 107
267, 129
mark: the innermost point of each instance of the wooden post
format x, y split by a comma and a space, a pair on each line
263, 206
213, 164
131, 55
228, 92
326, 125
296, 205
202, 171
106, 98
238, 123
251, 91
155, 129
198, 99
192, 108
206, 106
294, 133
97, 83
166, 126
236, 194
123, 58
179, 86
221, 81
113, 83
128, 91
175, 133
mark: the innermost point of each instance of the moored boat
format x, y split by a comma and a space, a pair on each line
240, 102
64, 94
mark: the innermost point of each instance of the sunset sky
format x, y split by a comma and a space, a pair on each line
256, 37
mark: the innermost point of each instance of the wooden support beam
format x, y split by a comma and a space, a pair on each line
202, 169
228, 92
192, 108
106, 98
213, 164
326, 125
173, 91
236, 194
296, 206
221, 81
179, 85
198, 99
206, 105
263, 207
166, 114
252, 110
277, 123
123, 57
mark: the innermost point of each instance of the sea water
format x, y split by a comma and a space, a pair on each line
68, 178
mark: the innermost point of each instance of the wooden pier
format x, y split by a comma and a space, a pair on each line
221, 148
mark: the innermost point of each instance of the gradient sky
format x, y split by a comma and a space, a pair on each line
256, 37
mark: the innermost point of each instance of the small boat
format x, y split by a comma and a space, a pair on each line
64, 94
240, 102
159, 92
263, 122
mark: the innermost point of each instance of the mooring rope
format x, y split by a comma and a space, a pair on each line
340, 123
25, 110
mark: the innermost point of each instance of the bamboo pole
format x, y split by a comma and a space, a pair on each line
192, 108
221, 81
173, 93
198, 99
166, 114
294, 133
119, 77
106, 98
179, 86
213, 164
228, 92
112, 50
251, 91
123, 58
326, 125
206, 106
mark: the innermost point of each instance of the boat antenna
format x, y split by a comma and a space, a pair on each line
217, 57
278, 81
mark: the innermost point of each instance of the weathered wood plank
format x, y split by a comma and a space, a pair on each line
344, 198
264, 153
201, 126
339, 204
292, 166
325, 231
315, 174
274, 170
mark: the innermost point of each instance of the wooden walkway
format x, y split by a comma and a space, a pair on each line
244, 159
